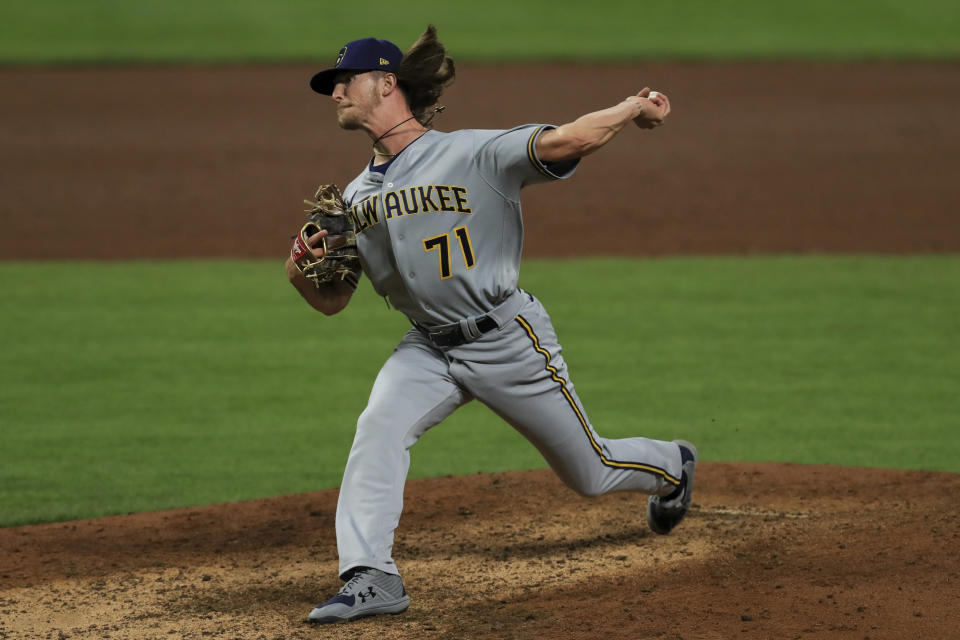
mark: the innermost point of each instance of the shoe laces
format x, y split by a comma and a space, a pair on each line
354, 579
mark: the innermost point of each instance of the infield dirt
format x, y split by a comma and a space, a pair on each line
174, 162
757, 158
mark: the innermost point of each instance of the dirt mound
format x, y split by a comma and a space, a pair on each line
769, 551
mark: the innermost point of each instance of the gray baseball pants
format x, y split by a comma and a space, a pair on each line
517, 371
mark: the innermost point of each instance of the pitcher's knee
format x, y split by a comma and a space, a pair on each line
584, 486
589, 492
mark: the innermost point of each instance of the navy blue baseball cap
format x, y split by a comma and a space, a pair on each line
367, 54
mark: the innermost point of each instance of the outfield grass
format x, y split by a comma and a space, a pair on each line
117, 31
216, 383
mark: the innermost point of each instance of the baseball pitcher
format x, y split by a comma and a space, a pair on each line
435, 225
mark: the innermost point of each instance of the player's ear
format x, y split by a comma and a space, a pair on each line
388, 84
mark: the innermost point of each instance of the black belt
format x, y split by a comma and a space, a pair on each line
453, 336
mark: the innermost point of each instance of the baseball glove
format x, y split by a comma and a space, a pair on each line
340, 260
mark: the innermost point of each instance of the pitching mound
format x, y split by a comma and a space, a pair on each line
769, 551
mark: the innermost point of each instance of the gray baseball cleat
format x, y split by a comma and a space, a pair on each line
368, 592
666, 512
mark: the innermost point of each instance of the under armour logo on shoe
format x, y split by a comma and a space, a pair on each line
370, 594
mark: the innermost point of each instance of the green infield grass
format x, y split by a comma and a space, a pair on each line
120, 31
138, 386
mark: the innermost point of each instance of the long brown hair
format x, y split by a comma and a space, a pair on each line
424, 73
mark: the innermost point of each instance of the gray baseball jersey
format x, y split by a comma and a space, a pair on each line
440, 235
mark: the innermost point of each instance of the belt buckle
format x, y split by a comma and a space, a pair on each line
454, 337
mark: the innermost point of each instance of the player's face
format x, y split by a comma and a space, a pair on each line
356, 94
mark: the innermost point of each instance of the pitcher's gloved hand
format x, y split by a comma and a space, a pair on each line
325, 250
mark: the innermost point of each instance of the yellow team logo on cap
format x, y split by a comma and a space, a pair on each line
340, 55
384, 62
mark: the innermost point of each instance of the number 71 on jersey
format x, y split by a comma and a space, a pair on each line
442, 242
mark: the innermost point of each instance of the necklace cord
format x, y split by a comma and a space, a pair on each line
436, 110
391, 129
